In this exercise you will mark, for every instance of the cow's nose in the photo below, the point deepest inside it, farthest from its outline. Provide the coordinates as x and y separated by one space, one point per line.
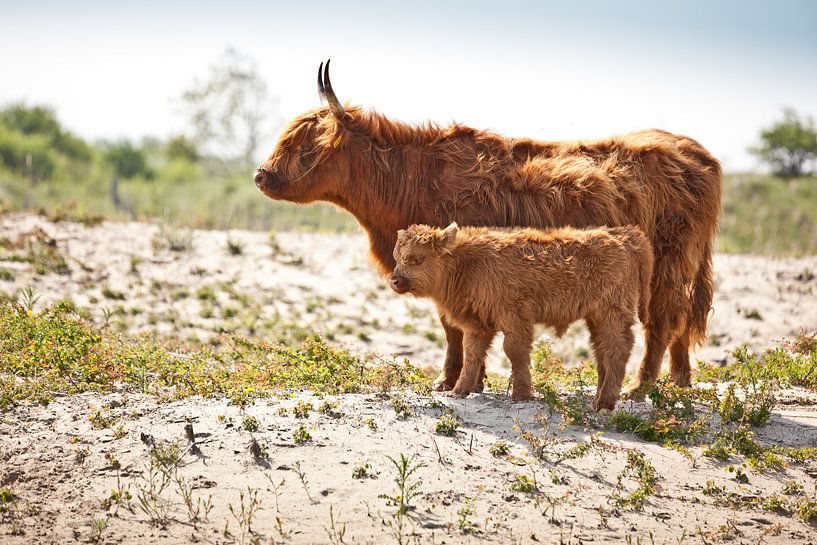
260 176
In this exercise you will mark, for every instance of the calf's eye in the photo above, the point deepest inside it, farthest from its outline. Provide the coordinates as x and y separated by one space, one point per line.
416 260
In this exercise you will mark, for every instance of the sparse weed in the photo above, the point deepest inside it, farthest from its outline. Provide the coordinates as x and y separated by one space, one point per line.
499 449
361 471
250 423
301 409
402 409
244 515
447 425
301 435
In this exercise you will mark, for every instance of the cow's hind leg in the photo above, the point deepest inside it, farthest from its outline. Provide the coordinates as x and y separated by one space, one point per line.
679 367
669 308
475 345
517 347
453 357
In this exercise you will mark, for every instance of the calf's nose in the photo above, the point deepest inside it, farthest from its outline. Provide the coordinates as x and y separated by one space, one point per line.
398 284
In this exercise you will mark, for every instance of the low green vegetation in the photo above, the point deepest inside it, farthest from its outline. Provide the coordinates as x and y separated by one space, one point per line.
55 352
764 214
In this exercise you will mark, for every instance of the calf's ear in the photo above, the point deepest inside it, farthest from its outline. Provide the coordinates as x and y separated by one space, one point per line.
449 235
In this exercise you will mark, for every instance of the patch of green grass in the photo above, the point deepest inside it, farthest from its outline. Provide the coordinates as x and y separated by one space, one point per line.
55 352
768 215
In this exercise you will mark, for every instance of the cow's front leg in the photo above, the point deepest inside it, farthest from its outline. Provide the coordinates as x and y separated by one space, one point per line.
453 357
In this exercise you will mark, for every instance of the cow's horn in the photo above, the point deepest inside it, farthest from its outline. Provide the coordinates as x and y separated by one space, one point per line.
321 90
329 94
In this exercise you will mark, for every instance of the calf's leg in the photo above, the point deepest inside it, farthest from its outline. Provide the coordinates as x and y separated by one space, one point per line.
475 345
517 347
453 357
612 339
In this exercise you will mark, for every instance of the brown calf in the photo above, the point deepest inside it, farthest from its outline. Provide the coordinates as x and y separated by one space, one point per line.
485 281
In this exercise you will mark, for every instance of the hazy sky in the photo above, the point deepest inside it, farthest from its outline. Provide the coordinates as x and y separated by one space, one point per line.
716 70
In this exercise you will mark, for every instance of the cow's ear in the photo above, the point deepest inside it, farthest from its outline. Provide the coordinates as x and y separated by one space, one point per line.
449 236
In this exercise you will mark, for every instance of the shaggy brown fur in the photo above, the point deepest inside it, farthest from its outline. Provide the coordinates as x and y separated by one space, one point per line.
391 175
484 281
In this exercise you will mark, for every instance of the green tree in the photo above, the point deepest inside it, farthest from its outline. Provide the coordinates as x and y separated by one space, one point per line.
788 146
127 161
227 110
42 121
181 147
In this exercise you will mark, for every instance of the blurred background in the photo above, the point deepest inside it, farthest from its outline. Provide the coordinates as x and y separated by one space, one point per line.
162 110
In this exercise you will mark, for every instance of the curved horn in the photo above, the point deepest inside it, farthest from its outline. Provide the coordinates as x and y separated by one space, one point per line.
329 94
321 89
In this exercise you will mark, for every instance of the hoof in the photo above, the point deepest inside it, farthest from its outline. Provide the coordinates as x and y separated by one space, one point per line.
440 384
682 380
603 407
637 390
521 396
459 394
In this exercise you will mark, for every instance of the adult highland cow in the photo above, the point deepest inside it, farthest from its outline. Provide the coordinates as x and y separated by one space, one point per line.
390 175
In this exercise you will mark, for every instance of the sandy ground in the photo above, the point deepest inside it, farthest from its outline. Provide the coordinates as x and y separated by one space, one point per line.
63 470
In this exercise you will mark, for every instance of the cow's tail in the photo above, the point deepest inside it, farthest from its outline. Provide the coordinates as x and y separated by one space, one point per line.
702 291
645 260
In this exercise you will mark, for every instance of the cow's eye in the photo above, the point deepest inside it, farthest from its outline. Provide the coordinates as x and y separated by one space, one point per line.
416 260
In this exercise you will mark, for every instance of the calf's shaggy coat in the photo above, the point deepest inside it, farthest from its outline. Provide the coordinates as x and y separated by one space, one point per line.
484 281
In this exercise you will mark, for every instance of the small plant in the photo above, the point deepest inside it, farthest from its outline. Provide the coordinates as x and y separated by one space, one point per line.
301 410
792 488
447 425
173 239
401 408
304 482
301 435
361 471
523 483
335 531
643 472
234 247
119 496
807 510
29 298
112 461
371 424
81 454
406 491
98 527
499 449
250 423
101 420
109 293
245 514
119 432
276 490
464 524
